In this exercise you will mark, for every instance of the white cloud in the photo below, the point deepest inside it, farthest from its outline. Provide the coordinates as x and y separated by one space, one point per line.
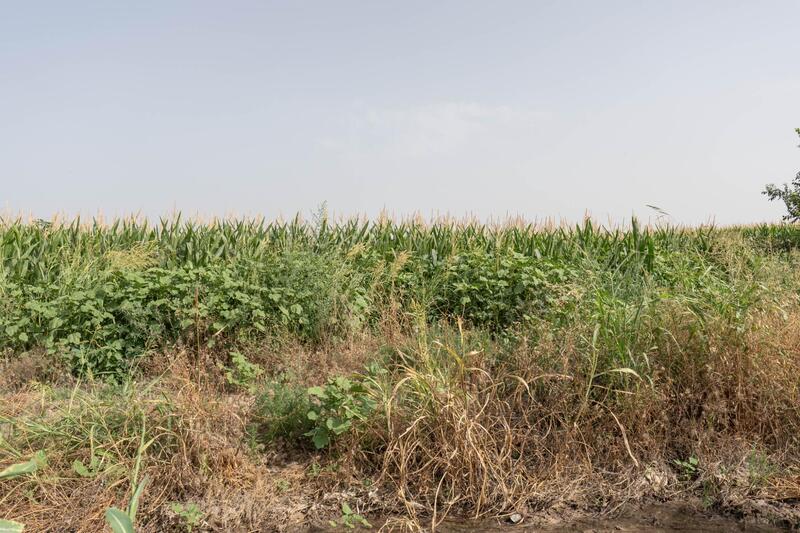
448 128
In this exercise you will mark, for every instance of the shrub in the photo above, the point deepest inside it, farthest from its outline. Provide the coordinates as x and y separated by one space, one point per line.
280 412
337 407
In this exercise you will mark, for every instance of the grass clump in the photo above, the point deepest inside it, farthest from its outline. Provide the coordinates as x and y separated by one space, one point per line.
281 411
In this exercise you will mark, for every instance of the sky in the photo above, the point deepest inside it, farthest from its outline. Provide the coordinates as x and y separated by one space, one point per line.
535 108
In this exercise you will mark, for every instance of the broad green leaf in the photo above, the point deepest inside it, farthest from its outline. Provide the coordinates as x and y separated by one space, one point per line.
21 469
346 508
80 468
119 521
317 391
320 439
341 427
9 526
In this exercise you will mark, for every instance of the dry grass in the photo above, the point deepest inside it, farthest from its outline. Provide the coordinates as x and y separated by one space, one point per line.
459 434
198 454
467 438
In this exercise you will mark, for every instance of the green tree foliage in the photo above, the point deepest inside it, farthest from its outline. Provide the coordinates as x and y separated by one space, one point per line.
790 195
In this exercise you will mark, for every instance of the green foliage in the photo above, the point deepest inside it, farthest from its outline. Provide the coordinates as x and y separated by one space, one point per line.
350 519
280 411
190 514
123 521
100 297
101 326
10 526
760 469
119 521
106 433
27 467
337 407
789 195
497 290
241 372
99 459
773 238
689 468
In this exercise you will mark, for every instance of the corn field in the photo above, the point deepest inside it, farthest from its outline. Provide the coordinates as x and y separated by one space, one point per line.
103 295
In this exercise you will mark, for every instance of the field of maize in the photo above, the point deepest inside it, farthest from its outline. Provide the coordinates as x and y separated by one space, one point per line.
459 367
103 296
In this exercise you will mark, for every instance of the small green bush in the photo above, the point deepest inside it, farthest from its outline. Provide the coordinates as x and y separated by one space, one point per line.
338 406
280 412
241 372
190 515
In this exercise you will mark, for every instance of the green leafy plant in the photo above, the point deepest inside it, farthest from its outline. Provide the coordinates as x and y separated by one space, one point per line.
790 196
315 469
119 521
280 410
27 467
242 373
759 469
336 407
123 521
98 457
350 519
688 468
190 514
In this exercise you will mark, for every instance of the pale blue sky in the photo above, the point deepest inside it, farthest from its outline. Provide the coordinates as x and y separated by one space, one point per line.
538 108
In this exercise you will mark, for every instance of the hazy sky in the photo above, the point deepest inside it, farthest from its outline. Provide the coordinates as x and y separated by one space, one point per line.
538 108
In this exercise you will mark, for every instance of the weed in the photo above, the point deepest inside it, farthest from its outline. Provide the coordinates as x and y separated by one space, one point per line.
190 515
350 519
282 485
689 468
280 411
759 469
338 405
242 373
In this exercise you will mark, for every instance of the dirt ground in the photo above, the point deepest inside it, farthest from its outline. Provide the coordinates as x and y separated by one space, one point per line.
657 517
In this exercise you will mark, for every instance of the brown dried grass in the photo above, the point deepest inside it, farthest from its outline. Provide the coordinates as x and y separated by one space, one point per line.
463 435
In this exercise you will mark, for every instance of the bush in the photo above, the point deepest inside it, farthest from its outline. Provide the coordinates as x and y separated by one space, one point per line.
280 412
337 408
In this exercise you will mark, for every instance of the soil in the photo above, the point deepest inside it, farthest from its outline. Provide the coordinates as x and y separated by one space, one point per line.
660 517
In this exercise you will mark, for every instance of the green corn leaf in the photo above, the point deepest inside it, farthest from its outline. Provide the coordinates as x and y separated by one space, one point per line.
9 526
134 505
119 520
